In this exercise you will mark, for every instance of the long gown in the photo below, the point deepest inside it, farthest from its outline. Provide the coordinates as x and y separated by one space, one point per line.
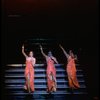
29 72
50 68
71 71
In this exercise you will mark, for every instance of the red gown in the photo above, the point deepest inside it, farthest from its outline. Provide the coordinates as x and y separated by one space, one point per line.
29 70
71 71
50 68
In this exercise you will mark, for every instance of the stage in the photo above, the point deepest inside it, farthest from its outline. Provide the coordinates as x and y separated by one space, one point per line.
73 24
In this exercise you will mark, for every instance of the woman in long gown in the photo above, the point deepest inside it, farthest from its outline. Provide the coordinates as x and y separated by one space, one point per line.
71 69
29 71
51 71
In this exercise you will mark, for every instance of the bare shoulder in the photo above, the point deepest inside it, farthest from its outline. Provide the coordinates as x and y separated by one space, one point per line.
47 57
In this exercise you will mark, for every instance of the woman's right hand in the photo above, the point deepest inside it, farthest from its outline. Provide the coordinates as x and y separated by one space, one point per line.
60 46
40 47
23 46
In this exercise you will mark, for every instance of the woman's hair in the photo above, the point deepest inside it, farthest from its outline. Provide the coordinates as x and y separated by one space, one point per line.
71 53
49 53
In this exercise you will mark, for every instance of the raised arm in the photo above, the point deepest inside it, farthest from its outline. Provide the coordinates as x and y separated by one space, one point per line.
43 52
23 52
65 53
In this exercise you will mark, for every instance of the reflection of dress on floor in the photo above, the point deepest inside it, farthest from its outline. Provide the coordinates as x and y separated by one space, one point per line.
71 71
50 69
29 72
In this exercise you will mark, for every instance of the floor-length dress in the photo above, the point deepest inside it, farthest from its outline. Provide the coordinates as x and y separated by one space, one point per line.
71 72
50 69
29 72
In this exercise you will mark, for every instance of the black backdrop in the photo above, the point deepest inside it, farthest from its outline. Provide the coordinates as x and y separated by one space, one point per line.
75 22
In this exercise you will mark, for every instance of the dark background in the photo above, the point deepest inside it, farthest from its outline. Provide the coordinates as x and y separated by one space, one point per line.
74 21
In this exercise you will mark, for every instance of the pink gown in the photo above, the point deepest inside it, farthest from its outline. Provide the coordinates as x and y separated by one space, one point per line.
50 68
71 71
29 71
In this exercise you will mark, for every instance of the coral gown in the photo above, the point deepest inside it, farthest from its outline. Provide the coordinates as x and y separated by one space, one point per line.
50 68
29 72
71 71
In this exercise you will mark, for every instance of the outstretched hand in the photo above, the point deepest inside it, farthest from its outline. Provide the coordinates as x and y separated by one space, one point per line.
23 46
60 46
40 47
